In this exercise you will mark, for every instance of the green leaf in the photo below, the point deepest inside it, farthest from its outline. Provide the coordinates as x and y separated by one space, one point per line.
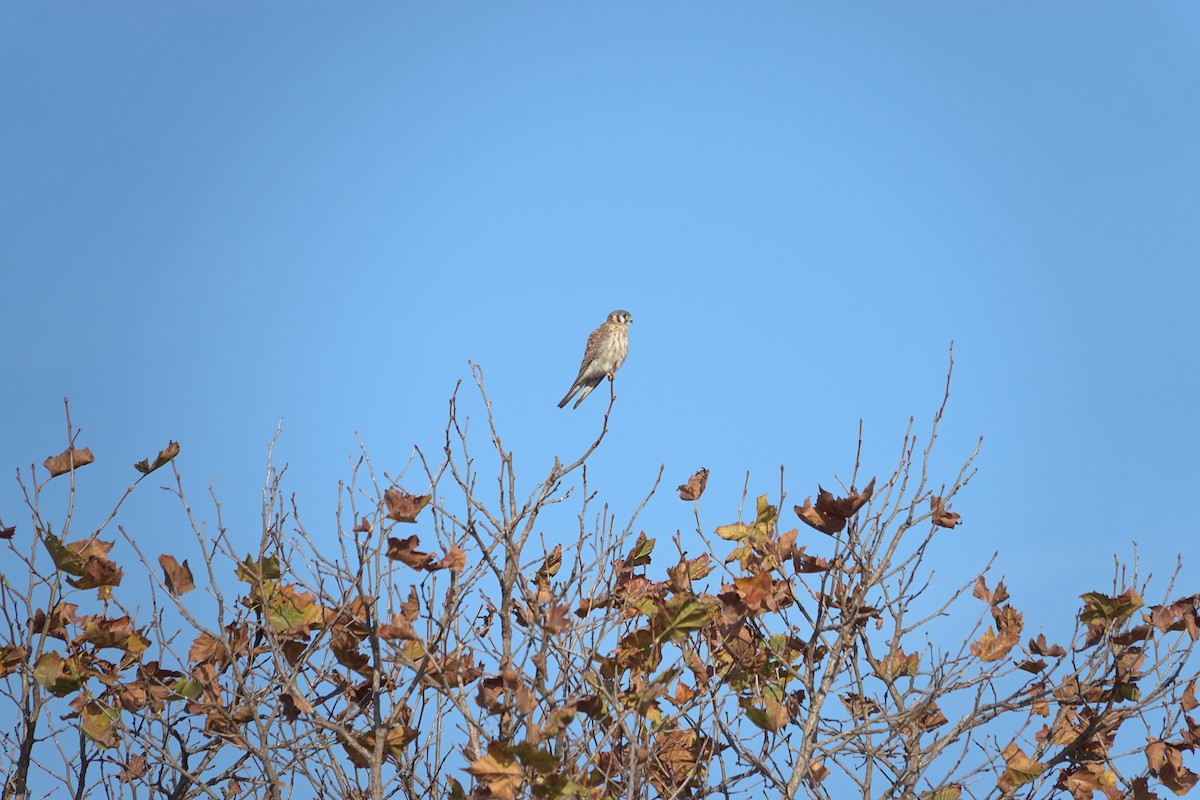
681 615
640 554
252 572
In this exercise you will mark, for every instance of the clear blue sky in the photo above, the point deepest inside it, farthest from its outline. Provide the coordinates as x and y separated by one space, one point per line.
217 214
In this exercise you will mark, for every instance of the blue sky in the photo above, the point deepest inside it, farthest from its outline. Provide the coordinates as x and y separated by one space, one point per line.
216 215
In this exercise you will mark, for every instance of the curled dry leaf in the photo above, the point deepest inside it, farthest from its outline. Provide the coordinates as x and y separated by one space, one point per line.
694 486
7 533
406 550
943 517
455 560
68 459
830 513
364 526
1039 647
178 577
164 457
404 507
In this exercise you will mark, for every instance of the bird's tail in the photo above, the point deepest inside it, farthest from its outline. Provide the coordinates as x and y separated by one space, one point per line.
562 403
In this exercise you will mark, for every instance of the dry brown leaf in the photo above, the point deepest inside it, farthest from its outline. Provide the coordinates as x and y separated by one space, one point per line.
1039 647
694 486
404 507
830 513
164 457
943 517
406 550
455 560
178 577
62 463
991 597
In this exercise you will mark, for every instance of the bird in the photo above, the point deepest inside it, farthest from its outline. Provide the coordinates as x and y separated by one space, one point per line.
606 349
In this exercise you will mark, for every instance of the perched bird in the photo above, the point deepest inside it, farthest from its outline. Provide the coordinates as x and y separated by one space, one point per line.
605 353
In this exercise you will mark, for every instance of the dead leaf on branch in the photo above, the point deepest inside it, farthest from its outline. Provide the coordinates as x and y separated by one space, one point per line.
406 550
455 560
1020 769
1039 647
404 507
67 460
860 706
817 772
830 513
499 772
993 647
1188 701
164 457
639 555
943 517
951 792
178 577
7 533
898 665
136 767
694 486
992 597
1178 616
1083 781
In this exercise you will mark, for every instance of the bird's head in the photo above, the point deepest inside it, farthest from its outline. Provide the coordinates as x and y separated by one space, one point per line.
622 317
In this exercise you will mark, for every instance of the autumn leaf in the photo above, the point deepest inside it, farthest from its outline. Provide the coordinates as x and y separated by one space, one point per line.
60 676
942 516
771 715
991 647
117 633
1188 701
680 615
11 657
178 577
898 665
830 513
694 486
67 460
550 567
404 507
1101 607
499 772
55 623
455 560
7 533
640 554
164 457
1039 647
406 550
816 773
1020 769
253 571
136 767
860 706
951 792
930 717
991 597
1083 781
